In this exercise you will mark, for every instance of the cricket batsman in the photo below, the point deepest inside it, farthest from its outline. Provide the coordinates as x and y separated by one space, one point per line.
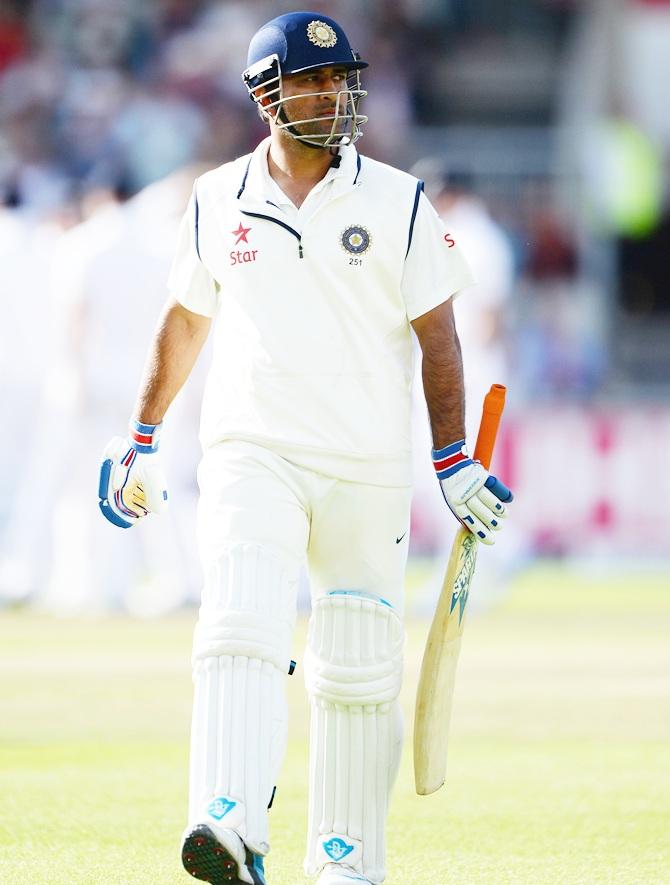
316 263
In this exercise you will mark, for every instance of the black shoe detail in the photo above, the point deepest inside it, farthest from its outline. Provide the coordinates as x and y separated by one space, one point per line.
205 858
398 540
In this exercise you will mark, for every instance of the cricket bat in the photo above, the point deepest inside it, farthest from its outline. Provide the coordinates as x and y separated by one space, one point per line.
435 692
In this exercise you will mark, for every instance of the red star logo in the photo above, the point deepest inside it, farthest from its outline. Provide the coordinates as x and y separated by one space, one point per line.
241 234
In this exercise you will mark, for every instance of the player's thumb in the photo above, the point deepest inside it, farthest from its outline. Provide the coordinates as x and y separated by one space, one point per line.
499 489
155 488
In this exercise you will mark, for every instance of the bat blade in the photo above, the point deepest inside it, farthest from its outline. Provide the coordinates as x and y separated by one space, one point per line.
435 692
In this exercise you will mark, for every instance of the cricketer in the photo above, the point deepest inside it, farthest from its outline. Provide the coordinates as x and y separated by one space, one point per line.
316 263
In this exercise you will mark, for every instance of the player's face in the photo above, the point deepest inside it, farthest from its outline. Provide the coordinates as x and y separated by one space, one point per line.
313 98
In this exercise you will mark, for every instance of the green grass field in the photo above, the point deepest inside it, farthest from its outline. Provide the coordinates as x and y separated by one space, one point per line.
559 768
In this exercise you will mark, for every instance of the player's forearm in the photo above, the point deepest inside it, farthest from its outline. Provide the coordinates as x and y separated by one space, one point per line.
442 373
178 341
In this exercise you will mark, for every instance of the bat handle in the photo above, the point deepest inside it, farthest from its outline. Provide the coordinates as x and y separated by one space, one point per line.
494 403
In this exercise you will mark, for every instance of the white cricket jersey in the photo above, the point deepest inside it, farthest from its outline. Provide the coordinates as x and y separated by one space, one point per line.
312 344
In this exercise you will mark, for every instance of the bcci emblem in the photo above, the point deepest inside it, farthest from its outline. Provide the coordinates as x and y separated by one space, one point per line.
356 240
321 35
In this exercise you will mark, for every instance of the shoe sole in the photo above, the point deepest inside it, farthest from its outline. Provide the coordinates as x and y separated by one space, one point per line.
205 858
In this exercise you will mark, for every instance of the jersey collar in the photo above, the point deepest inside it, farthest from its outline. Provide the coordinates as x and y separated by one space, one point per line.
254 183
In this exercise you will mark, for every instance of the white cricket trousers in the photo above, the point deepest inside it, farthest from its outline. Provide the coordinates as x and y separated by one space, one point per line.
260 518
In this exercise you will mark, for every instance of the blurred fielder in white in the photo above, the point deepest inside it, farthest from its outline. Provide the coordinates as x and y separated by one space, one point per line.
106 285
316 262
483 317
27 243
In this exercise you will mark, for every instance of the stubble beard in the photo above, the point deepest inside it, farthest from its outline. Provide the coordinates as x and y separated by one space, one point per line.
320 127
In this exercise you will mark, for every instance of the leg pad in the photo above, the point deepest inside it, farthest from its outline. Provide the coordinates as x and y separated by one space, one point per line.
353 671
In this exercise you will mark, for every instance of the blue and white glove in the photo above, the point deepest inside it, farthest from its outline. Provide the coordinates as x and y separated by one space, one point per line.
132 482
475 497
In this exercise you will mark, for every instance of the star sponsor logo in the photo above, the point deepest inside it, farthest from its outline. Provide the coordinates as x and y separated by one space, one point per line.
321 34
241 233
355 239
239 256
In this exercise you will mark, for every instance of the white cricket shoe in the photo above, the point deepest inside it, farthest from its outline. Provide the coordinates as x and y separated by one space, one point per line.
340 874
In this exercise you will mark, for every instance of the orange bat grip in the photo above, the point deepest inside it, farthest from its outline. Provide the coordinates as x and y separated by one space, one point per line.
494 403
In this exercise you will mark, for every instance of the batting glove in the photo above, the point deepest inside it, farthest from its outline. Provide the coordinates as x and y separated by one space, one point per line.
132 482
475 497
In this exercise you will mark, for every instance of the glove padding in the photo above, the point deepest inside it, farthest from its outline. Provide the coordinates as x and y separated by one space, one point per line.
472 494
132 483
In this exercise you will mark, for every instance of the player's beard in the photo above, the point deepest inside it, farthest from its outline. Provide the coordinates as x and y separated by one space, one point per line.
314 125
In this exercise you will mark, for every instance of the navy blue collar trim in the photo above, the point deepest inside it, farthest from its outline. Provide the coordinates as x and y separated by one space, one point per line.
244 180
358 167
283 224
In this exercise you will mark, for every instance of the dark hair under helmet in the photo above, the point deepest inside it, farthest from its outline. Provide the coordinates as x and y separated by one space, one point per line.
298 42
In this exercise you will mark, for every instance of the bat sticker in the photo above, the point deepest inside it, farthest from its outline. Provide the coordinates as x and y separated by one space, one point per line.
464 577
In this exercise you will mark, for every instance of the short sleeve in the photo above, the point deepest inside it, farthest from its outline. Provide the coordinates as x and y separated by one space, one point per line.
189 281
435 268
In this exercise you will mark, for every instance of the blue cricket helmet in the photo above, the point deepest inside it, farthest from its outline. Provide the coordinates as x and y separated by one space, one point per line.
295 43
300 41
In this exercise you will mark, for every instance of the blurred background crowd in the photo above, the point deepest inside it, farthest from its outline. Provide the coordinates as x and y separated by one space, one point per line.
542 132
